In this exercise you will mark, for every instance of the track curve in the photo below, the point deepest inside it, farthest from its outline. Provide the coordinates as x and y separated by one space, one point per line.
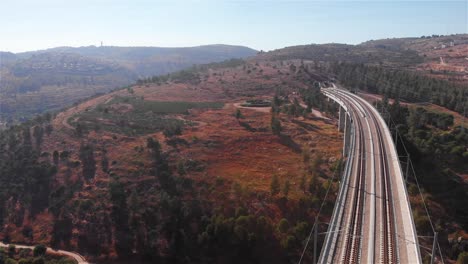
372 212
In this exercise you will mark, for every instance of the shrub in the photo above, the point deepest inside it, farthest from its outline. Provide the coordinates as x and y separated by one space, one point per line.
462 258
422 223
275 125
38 261
11 250
172 130
25 261
275 185
413 190
283 226
219 181
181 168
10 261
301 230
288 243
238 114
24 252
39 250
64 155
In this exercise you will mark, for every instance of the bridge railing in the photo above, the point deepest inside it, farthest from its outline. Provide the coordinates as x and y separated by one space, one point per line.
326 255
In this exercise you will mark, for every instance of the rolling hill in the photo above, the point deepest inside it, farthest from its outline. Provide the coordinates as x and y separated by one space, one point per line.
443 57
149 173
219 163
34 82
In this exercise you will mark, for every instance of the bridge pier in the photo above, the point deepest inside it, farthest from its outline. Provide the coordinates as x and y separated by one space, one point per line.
341 121
344 125
347 134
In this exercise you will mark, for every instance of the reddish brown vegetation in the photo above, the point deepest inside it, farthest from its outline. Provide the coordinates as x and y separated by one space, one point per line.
232 154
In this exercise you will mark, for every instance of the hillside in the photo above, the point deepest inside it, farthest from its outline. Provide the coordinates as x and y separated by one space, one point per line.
80 72
177 169
442 57
346 53
7 58
34 82
149 61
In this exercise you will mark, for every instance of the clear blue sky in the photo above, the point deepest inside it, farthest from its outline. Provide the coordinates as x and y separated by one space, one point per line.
38 24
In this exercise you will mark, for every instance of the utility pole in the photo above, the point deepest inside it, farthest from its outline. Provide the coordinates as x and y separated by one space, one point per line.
434 248
407 166
315 240
396 135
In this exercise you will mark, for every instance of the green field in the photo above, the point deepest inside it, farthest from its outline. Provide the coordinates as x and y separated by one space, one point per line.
142 118
143 106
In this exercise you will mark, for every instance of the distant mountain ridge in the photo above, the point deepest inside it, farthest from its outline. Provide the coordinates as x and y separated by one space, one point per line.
7 57
391 52
151 60
37 81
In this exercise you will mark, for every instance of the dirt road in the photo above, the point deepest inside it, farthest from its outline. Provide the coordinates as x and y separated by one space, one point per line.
80 259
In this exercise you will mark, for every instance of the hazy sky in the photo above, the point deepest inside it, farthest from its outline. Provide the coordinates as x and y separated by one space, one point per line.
38 24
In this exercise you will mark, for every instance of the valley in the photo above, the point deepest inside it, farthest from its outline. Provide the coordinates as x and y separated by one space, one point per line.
227 162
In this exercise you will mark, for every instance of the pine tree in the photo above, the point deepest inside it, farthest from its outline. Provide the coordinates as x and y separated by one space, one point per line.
275 185
275 125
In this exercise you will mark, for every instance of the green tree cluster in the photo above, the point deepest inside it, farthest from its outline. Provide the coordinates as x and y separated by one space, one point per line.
402 84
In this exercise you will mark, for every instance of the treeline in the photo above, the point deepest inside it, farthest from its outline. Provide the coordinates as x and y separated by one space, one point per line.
404 85
437 150
420 117
343 52
24 179
170 222
190 75
220 65
27 175
313 98
431 134
184 76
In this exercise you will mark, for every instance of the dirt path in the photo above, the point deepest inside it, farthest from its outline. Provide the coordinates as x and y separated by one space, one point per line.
315 112
79 259
259 109
61 120
319 114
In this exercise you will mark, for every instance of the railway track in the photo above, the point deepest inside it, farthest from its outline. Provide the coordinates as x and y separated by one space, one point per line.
354 235
368 207
388 247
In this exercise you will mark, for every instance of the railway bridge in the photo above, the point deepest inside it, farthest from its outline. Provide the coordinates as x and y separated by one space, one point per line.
372 221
